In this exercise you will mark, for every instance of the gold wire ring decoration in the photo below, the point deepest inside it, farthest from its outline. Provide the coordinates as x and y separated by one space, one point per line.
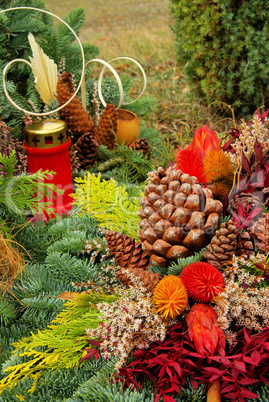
116 75
101 78
29 64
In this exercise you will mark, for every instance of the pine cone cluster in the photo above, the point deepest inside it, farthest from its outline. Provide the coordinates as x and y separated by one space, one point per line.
77 119
141 145
178 216
223 245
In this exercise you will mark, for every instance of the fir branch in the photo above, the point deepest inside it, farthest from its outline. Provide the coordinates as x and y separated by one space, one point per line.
176 267
110 164
24 193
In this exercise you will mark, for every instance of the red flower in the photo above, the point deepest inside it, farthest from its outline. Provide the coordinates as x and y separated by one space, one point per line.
205 140
202 280
190 161
203 331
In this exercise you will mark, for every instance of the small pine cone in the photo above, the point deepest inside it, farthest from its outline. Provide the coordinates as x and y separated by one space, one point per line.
127 252
149 279
223 245
245 244
259 231
247 200
77 119
141 145
106 130
86 149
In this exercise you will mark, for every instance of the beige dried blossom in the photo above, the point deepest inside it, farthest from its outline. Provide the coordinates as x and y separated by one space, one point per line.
239 301
251 132
128 323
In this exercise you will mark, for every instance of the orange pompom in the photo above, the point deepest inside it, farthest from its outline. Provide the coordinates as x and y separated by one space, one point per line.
170 297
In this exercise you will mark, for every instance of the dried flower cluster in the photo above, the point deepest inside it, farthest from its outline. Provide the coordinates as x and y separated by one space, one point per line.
128 323
251 133
240 301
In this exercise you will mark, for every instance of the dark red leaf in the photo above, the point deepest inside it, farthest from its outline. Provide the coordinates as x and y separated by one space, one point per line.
254 212
93 352
194 384
240 366
247 359
246 164
227 388
245 393
169 372
93 342
248 381
256 357
167 398
258 151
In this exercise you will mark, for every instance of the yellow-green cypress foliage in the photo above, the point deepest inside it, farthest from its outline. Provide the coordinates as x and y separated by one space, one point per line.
61 345
108 202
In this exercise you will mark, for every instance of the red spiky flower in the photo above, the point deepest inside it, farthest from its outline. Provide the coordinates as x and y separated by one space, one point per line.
202 280
190 161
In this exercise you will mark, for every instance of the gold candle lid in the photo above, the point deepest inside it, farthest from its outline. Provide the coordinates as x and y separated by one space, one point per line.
46 134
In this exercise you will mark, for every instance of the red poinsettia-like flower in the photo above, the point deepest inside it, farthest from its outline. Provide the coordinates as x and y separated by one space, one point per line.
190 161
202 280
203 330
205 140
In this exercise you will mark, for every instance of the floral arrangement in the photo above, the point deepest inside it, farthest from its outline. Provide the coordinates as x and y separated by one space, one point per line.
215 312
188 301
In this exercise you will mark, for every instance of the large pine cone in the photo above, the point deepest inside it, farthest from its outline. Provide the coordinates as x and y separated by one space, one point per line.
106 130
149 279
77 119
86 149
127 252
178 216
141 145
223 245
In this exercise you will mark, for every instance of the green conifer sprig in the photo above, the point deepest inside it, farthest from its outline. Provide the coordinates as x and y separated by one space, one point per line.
176 267
24 193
